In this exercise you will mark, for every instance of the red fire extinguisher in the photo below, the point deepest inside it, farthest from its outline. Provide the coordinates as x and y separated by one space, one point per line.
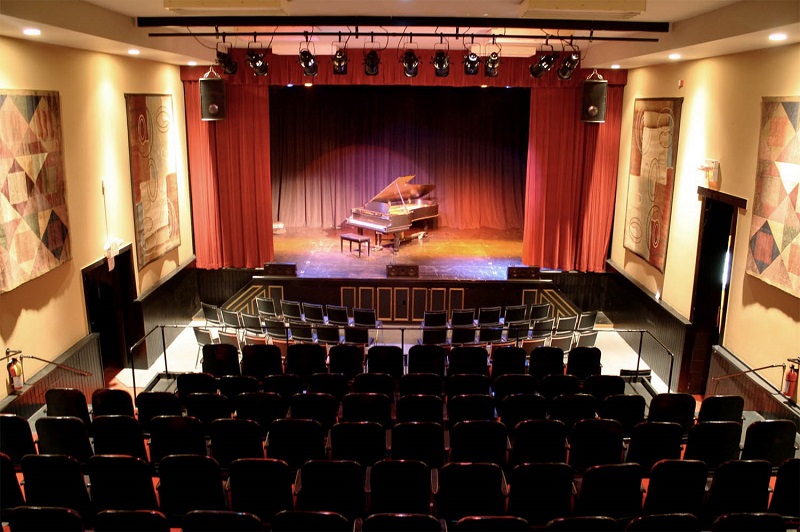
790 382
14 375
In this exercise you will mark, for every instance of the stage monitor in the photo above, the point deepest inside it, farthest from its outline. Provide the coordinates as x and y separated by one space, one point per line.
280 269
402 270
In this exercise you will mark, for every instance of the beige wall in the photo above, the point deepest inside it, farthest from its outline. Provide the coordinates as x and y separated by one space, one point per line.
720 120
47 315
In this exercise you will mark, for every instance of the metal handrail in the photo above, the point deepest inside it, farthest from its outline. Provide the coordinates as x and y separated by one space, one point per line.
402 329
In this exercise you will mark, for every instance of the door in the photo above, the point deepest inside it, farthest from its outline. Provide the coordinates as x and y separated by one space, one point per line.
109 297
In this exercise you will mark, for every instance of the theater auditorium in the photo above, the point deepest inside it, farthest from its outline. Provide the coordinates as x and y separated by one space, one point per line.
392 265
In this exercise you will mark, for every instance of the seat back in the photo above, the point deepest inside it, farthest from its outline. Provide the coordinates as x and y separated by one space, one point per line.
586 320
313 312
211 520
110 401
676 486
261 407
318 476
489 315
118 434
677 407
120 482
232 439
538 440
714 442
385 359
187 483
304 360
321 407
295 441
261 360
67 402
16 438
291 310
176 435
595 442
540 492
260 486
652 441
721 408
337 315
420 408
423 441
130 520
613 490
468 359
221 359
346 359
470 489
266 307
66 435
360 406
479 441
427 358
360 441
538 311
55 480
365 317
770 439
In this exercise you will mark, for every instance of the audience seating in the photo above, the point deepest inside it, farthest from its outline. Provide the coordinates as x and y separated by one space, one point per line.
261 486
399 486
36 518
9 487
130 521
66 435
540 491
16 437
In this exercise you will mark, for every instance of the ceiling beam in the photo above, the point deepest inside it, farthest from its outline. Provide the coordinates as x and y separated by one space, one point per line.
457 22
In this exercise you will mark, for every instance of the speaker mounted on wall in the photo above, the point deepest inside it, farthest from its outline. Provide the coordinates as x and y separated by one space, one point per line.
593 101
402 270
280 269
212 97
523 272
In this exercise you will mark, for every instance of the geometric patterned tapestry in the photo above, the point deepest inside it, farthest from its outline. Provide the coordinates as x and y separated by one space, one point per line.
154 181
774 251
654 152
34 226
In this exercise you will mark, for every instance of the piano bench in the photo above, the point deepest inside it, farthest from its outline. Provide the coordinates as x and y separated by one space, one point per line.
353 237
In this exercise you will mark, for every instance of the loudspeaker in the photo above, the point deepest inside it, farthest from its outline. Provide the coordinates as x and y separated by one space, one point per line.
212 99
280 269
523 272
593 101
402 270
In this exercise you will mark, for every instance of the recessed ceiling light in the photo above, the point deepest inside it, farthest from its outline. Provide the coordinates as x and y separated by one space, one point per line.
133 51
615 66
192 63
674 56
777 37
32 32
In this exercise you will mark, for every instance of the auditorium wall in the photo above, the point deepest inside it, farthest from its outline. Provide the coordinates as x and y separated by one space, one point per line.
47 315
720 120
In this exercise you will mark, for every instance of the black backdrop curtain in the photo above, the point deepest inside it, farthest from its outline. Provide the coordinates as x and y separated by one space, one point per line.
334 148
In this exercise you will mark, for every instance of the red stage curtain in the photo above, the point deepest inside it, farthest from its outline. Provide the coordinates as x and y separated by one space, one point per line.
572 168
229 167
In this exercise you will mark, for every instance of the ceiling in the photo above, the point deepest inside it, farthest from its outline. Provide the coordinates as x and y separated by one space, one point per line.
696 28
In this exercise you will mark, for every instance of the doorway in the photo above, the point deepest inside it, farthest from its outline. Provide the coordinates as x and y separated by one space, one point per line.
109 297
718 219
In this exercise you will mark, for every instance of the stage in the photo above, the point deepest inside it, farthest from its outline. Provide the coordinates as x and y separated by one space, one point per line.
458 254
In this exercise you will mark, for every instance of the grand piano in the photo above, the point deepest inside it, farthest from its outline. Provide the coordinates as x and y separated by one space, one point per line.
394 209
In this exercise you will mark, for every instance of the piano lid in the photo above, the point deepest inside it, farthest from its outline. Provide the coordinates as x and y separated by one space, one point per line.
401 189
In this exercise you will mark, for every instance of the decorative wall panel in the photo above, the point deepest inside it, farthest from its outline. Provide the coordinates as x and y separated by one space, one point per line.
774 251
654 151
154 180
34 225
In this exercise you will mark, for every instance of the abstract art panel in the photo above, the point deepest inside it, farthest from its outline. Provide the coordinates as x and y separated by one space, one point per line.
654 152
774 251
34 226
153 176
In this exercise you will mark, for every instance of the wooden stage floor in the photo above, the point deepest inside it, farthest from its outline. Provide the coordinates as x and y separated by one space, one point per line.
440 254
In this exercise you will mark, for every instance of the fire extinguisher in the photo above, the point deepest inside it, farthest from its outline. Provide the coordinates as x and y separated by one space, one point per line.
790 382
14 375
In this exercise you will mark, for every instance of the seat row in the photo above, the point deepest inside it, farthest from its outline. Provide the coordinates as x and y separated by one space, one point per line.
302 321
535 492
305 359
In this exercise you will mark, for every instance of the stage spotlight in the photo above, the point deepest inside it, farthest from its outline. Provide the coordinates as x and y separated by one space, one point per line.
340 62
256 61
471 64
545 63
229 66
410 63
569 65
371 62
308 62
492 62
441 64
